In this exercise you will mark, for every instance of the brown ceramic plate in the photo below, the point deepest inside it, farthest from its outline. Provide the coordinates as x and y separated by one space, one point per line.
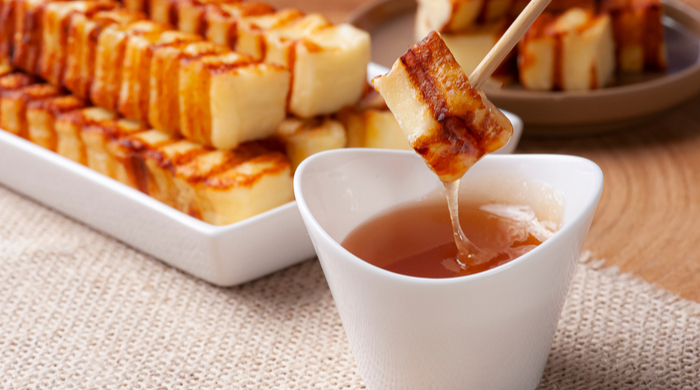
631 101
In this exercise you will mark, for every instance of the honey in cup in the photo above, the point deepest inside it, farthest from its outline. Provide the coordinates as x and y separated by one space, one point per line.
417 239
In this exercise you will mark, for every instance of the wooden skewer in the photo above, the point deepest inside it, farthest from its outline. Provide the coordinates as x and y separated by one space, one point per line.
507 42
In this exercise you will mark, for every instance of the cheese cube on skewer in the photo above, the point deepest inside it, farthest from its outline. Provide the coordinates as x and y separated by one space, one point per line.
158 154
446 121
99 137
226 187
136 73
222 20
111 50
164 104
28 34
301 138
370 124
69 127
41 118
83 32
251 30
227 99
13 106
191 14
7 30
11 81
457 16
573 51
137 6
280 43
55 31
329 70
638 33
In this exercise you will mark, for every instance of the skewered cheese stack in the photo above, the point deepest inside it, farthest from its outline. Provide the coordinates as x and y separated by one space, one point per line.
219 187
446 121
573 51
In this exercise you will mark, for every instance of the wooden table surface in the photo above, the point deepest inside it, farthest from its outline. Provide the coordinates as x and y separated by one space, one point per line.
648 220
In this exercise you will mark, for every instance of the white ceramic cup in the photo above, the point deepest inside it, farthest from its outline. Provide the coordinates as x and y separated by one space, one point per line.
491 330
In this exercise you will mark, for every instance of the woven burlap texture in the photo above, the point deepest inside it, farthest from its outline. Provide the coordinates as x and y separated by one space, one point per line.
81 310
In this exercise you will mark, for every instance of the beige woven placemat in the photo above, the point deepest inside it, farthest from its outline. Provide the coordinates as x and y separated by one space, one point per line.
80 310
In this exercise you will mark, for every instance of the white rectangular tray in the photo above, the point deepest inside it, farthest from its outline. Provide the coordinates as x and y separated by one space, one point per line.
222 255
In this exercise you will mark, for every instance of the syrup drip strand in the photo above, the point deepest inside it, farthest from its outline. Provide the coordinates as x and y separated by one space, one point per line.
469 254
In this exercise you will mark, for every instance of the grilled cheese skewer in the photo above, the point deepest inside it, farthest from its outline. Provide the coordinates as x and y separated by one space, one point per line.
446 121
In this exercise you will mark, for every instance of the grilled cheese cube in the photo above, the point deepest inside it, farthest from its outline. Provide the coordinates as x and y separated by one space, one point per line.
251 30
587 52
13 106
329 70
457 16
13 81
100 137
136 73
227 99
41 118
7 30
160 154
191 14
69 127
83 32
448 122
222 187
28 34
164 105
222 20
280 42
370 124
246 189
56 21
302 138
111 50
638 33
